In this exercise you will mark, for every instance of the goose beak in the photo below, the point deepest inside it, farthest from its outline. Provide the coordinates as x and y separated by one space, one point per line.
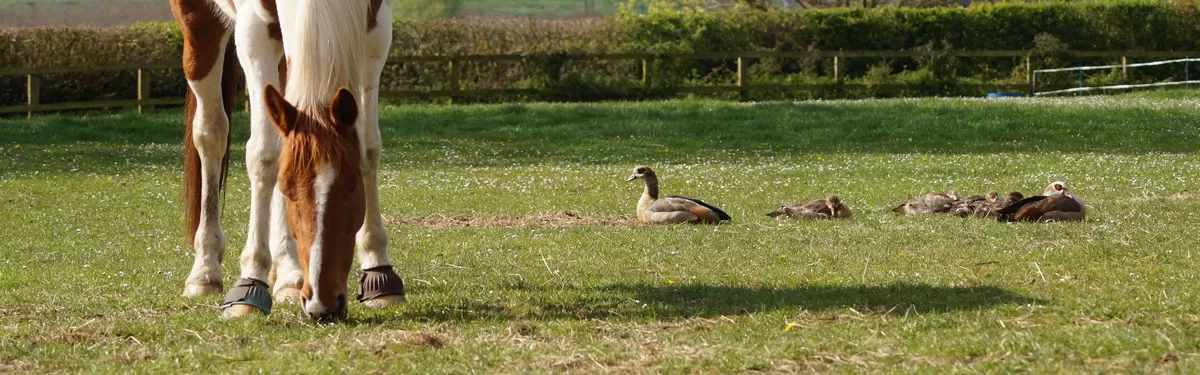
631 177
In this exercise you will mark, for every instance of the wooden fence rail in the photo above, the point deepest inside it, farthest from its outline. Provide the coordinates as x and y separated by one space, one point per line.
743 85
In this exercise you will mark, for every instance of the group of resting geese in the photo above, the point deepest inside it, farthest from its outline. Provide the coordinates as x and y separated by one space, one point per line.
1055 204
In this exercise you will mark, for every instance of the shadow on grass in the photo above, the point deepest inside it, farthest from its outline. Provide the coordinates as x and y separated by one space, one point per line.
639 301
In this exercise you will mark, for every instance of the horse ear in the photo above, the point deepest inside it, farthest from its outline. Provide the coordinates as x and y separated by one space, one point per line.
282 113
344 109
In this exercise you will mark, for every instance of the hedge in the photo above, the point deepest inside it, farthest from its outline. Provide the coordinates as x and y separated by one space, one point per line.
1046 28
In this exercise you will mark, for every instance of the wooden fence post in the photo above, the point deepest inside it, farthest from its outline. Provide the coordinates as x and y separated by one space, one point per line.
1124 68
143 92
743 80
454 77
1029 78
645 73
836 78
33 92
1028 69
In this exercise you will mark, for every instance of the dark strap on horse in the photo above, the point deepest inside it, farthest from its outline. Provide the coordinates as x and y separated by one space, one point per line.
378 282
249 292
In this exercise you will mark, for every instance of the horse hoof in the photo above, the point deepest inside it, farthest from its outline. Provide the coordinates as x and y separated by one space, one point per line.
200 290
288 294
381 287
247 296
237 311
385 301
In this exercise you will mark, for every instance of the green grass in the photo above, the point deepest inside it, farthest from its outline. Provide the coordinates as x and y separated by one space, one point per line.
91 262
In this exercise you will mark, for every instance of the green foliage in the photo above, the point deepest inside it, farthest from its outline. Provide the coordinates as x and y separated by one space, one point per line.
684 26
425 9
627 8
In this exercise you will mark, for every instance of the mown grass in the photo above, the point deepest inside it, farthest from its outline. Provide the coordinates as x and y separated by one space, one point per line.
91 262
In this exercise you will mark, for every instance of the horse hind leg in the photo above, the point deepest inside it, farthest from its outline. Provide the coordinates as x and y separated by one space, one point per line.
207 141
379 285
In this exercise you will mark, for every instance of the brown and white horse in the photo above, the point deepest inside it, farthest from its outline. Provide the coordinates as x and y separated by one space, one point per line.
313 153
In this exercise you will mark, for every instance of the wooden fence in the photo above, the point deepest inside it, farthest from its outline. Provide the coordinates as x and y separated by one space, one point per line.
743 85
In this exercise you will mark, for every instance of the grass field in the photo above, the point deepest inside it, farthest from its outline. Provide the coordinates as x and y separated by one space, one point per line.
91 262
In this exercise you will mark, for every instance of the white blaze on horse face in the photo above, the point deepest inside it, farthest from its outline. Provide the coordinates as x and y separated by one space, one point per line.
326 176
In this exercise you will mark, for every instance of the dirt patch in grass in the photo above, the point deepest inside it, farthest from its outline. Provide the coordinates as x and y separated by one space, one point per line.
1185 195
29 312
430 338
15 367
1180 196
81 337
552 220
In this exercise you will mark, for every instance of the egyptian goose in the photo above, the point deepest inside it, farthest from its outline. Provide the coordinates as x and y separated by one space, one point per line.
993 204
830 207
1010 198
1055 204
975 205
931 203
671 209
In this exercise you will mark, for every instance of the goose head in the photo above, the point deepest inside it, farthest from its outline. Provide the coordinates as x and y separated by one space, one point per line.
991 196
834 204
1055 188
952 194
1012 197
640 172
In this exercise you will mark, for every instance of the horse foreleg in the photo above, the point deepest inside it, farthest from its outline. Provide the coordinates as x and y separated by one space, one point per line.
260 51
381 286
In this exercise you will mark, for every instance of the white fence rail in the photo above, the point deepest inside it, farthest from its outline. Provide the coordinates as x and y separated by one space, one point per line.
1187 80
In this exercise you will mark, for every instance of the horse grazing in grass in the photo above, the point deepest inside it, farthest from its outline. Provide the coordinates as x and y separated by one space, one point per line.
313 153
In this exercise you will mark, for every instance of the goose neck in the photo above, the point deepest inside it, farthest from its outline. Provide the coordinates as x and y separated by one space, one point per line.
651 186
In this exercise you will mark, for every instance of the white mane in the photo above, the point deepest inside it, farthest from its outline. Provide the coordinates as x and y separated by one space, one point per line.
323 41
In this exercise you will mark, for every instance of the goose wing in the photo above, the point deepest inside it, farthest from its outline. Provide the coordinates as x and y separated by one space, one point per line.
931 203
697 207
815 209
1060 208
940 202
1013 208
969 205
1057 207
1021 209
811 209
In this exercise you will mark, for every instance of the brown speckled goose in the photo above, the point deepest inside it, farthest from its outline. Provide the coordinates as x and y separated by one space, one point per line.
828 208
1010 198
931 203
975 205
671 209
1055 204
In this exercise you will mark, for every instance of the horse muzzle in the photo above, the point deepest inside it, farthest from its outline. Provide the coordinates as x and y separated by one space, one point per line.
319 312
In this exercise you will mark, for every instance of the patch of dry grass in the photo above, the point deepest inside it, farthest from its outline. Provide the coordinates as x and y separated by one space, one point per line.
551 220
